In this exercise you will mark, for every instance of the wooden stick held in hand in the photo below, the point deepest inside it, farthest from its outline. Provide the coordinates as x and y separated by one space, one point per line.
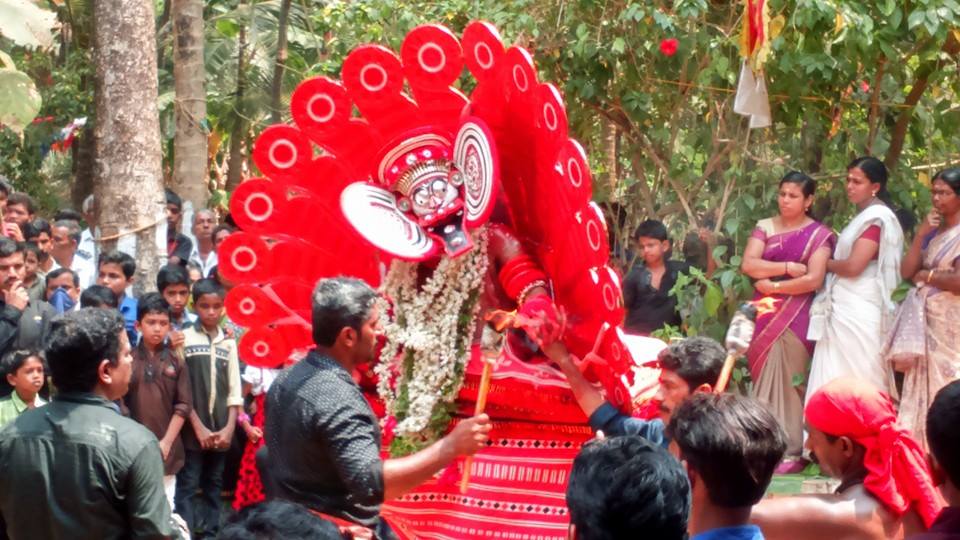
481 405
491 343
724 377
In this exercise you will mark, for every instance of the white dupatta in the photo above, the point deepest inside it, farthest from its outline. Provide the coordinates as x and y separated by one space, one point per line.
888 263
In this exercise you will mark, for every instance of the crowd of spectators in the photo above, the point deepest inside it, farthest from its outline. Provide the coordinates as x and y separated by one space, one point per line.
127 417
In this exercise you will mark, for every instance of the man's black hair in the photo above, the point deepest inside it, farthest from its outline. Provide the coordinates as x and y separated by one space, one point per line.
733 443
54 274
697 360
40 225
278 520
173 198
121 259
29 247
68 214
5 187
943 430
152 304
7 247
207 286
14 360
79 342
220 228
338 303
172 274
651 228
22 199
626 487
72 226
98 296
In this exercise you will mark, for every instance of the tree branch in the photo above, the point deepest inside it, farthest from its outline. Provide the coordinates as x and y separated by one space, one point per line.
897 138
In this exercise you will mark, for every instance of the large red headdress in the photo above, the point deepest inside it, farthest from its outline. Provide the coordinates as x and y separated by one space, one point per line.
395 157
421 173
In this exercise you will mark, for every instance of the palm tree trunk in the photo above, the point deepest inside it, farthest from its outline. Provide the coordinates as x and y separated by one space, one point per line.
190 104
276 90
127 175
238 131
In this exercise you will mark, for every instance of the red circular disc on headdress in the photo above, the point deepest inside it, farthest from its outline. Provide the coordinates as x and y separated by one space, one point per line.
263 347
594 230
520 73
320 104
247 305
575 169
551 114
282 151
432 58
372 72
258 205
482 49
243 258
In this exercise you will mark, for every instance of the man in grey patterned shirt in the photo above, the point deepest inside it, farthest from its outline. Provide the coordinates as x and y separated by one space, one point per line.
323 439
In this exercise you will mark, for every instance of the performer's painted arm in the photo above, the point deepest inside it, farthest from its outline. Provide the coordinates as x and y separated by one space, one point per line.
520 275
401 475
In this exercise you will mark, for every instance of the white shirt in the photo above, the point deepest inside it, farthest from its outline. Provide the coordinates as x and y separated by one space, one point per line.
205 266
259 379
88 244
85 269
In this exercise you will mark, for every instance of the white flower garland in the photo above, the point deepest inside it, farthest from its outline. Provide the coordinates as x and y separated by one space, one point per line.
425 324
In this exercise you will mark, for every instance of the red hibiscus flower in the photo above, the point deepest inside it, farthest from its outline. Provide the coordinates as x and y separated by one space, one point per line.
865 86
389 424
668 47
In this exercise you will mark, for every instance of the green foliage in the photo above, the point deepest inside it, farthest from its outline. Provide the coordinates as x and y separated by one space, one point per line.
706 305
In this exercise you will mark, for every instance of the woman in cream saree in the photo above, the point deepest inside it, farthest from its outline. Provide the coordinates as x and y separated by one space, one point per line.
850 315
925 338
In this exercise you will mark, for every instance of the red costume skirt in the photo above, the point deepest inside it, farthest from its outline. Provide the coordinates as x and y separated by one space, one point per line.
249 488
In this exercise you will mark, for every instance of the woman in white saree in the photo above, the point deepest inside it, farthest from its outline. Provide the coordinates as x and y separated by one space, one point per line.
853 310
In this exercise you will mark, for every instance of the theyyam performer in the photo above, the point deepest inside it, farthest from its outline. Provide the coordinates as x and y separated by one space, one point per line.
454 206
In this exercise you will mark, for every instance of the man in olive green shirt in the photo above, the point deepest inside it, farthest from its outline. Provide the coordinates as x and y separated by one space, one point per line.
76 468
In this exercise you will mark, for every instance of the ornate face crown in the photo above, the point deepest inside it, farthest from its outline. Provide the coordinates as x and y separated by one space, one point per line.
430 193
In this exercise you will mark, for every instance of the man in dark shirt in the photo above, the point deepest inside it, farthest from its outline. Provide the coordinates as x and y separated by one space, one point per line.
686 367
24 323
944 438
76 468
646 289
179 245
322 437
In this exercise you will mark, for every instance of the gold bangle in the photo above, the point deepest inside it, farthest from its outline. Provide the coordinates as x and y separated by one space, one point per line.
930 274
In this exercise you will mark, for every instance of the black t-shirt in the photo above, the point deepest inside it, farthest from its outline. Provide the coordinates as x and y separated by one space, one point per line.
649 309
324 443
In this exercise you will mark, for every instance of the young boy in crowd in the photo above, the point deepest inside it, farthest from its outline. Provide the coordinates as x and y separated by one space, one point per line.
160 395
730 446
98 296
116 272
25 373
173 282
214 369
646 289
33 281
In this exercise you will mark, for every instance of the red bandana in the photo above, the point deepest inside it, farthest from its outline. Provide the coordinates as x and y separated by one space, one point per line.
897 471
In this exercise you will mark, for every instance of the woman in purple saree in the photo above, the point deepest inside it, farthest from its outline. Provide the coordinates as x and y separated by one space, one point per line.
787 255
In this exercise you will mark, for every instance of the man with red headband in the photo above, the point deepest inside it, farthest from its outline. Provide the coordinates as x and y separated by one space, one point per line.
886 490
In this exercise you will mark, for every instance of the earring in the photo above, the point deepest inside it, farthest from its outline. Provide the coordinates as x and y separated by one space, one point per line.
874 193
